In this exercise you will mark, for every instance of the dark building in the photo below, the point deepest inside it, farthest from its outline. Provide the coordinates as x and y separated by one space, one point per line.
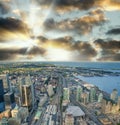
2 104
9 100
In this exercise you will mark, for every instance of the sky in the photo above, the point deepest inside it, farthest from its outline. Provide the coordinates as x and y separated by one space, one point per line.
60 30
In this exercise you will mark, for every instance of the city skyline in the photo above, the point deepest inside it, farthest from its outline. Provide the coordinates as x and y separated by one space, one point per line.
59 30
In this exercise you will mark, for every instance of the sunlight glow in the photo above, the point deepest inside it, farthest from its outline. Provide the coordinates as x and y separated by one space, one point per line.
54 54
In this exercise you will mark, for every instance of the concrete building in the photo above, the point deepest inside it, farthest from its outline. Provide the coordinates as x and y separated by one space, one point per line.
78 93
50 90
114 95
19 113
66 96
69 119
4 121
85 97
92 94
6 83
2 104
100 97
27 93
9 100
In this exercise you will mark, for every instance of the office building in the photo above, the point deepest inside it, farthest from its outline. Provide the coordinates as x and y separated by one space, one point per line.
27 93
4 121
100 97
85 97
78 93
92 94
9 100
69 119
6 83
50 90
26 96
2 104
66 94
103 106
114 95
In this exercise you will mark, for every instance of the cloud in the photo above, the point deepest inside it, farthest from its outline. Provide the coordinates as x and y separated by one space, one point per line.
34 50
114 31
109 49
81 26
12 29
108 44
79 50
13 25
112 57
66 5
11 54
20 53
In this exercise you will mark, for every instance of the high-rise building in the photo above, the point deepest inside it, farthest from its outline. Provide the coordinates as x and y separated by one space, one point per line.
69 119
6 83
27 93
2 104
26 96
85 97
18 100
100 97
114 95
66 94
103 106
4 121
66 97
9 100
92 94
50 90
78 93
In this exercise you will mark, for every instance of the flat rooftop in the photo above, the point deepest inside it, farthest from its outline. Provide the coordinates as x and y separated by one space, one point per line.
75 111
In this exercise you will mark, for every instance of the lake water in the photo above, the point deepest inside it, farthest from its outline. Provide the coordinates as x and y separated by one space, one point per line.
105 83
98 65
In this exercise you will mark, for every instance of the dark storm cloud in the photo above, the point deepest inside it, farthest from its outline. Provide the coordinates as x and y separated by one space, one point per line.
112 57
85 49
81 26
13 25
115 31
108 44
81 4
9 54
109 49
4 9
36 51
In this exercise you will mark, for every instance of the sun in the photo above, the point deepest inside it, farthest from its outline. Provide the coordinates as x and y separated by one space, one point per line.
57 54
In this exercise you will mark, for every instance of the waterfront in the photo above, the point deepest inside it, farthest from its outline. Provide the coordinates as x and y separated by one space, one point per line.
105 83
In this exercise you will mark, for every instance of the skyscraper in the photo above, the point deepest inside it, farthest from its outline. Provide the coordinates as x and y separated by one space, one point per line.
100 97
85 97
9 100
78 93
2 104
26 96
6 84
92 94
69 119
66 94
114 95
50 90
4 121
27 93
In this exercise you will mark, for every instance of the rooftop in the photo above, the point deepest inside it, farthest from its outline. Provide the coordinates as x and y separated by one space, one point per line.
75 111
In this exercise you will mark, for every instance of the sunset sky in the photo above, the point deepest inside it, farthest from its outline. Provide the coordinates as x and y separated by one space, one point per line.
60 30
